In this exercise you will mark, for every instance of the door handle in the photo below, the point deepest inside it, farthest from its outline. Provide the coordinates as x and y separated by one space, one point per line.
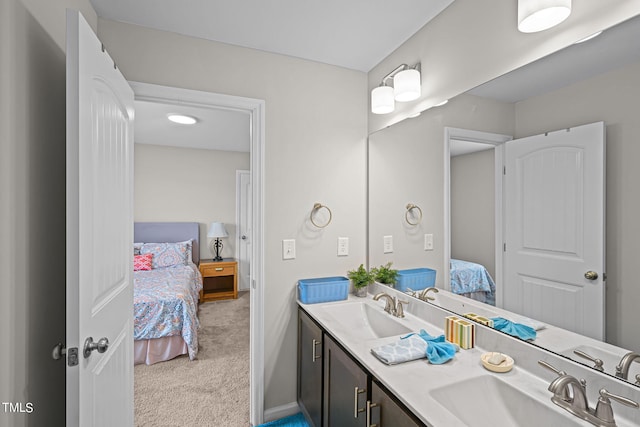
369 406
356 392
314 357
244 237
591 275
102 345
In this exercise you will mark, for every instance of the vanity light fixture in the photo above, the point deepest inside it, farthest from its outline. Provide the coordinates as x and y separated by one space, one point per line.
592 36
182 119
540 15
406 87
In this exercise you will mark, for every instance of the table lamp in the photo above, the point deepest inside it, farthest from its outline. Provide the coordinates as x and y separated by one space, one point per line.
217 230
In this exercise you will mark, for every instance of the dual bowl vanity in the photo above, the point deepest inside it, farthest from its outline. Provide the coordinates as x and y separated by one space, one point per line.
341 383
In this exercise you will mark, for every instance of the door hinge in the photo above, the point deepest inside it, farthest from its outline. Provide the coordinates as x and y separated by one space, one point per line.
253 283
604 277
504 170
504 247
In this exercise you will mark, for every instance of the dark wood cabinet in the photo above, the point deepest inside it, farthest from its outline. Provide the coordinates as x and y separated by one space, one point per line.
310 347
385 411
345 388
334 390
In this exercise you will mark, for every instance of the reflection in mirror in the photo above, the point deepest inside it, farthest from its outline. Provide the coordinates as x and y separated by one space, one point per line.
598 80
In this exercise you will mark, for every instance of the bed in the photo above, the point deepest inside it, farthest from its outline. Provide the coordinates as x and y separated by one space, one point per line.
473 281
166 286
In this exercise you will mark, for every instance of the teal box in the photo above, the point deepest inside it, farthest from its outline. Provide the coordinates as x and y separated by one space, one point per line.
415 279
323 289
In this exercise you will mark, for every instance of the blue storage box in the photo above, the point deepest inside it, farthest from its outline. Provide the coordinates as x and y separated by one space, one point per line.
323 289
415 279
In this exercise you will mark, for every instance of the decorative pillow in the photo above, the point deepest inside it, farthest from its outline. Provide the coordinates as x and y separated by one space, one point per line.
136 248
167 254
142 262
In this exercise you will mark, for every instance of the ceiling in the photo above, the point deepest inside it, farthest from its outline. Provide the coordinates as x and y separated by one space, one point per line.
216 129
355 34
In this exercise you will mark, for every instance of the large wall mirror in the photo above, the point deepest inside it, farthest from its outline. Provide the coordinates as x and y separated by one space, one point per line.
439 177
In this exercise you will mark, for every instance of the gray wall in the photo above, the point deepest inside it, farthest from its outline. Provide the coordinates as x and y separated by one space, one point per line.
187 184
315 152
612 98
473 208
32 206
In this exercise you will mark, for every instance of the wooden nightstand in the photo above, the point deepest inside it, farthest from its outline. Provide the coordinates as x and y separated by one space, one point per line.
219 279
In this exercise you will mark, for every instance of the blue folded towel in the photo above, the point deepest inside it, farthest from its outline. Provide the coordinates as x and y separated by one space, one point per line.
416 346
514 329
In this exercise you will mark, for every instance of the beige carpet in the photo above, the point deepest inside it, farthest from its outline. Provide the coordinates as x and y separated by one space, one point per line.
212 390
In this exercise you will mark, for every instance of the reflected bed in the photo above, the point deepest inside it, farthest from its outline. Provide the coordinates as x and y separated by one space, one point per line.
473 281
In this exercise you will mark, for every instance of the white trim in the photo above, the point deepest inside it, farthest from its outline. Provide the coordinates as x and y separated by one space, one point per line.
256 109
281 411
498 141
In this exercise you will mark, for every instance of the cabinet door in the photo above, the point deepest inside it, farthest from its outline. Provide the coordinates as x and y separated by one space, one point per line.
345 388
309 369
386 412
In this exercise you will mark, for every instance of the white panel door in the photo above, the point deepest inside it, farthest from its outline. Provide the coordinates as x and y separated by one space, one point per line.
554 199
99 232
243 214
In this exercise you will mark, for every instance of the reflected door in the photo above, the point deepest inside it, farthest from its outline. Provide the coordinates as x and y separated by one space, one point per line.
554 212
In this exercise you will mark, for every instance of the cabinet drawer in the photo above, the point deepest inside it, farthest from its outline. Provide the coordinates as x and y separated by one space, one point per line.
212 270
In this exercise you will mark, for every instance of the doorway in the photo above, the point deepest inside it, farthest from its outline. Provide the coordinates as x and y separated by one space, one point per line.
255 109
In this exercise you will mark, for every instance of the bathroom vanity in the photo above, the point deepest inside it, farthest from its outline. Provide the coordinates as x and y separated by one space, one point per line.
340 382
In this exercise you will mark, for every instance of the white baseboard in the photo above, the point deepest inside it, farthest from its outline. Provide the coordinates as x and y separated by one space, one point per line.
281 411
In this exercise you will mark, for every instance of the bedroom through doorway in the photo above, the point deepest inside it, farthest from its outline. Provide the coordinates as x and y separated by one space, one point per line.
208 173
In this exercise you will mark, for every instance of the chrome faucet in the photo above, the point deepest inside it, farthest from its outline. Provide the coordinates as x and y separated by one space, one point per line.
424 294
570 394
622 370
393 306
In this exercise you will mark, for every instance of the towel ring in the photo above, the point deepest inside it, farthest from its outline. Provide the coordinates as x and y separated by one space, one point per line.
317 207
410 207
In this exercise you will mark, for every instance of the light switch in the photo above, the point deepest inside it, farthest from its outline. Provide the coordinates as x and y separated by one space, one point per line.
388 244
428 242
343 246
288 249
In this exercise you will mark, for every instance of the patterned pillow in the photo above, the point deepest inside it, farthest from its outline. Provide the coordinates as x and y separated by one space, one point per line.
136 248
142 262
167 254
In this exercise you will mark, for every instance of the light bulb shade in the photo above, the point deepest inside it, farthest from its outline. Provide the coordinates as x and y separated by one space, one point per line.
539 15
216 229
382 100
406 85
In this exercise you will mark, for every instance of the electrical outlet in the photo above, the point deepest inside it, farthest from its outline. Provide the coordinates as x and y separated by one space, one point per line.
343 246
428 242
388 244
288 249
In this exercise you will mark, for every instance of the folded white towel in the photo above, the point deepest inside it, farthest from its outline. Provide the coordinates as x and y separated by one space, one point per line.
403 350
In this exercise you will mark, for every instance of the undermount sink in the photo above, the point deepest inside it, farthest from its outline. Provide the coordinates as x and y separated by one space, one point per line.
368 321
610 360
487 401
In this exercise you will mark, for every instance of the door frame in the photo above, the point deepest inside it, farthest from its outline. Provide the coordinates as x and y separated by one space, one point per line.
256 110
239 173
497 140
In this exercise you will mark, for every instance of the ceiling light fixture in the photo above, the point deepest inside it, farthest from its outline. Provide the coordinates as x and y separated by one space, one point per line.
182 119
540 15
406 87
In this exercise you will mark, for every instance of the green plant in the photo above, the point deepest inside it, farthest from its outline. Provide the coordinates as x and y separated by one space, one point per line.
385 274
360 277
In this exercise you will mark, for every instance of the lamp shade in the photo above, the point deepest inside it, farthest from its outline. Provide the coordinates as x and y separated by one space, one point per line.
406 85
216 229
539 15
382 100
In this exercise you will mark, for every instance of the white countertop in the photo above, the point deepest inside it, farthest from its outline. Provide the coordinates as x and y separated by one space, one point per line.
412 382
